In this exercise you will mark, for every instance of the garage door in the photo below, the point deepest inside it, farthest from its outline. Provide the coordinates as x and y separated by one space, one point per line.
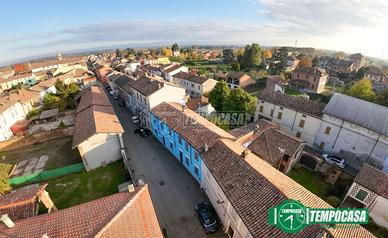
308 162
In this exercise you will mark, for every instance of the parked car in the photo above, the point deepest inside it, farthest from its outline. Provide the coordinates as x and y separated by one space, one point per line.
135 120
207 216
143 132
330 159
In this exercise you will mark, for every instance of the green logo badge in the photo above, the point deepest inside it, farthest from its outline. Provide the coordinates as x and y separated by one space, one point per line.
292 216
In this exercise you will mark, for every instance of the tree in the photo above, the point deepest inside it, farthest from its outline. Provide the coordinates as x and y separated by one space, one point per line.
240 101
267 54
252 56
175 47
306 62
219 95
362 89
228 56
382 97
235 66
315 61
167 52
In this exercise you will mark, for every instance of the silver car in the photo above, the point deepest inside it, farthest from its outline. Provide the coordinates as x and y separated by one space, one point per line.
330 159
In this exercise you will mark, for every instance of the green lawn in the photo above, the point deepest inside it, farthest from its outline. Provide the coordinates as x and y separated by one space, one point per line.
79 188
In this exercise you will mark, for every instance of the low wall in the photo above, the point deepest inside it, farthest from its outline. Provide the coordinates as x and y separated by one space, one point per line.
21 141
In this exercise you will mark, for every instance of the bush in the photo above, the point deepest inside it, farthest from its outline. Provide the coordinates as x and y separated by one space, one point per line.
61 125
32 113
334 201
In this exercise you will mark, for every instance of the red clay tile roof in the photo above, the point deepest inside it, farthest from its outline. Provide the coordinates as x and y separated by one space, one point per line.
191 77
122 214
373 179
195 129
94 114
144 85
172 68
261 125
253 186
269 144
195 103
43 85
21 202
297 103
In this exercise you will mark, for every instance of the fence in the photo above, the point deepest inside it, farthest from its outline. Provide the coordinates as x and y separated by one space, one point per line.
46 175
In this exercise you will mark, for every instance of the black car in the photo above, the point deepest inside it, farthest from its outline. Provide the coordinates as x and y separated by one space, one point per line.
207 216
143 132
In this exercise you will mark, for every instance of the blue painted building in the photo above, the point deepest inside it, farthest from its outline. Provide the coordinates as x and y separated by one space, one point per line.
171 126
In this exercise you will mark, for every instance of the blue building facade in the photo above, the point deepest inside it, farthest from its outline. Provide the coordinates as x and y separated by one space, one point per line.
185 153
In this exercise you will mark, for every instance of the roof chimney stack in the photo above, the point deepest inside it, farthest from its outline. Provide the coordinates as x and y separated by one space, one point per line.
205 148
7 221
131 188
244 153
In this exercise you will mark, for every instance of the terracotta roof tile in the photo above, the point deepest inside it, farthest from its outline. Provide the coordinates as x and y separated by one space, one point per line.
191 77
132 212
195 103
20 203
190 125
373 179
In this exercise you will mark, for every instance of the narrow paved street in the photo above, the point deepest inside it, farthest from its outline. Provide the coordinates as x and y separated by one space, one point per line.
173 190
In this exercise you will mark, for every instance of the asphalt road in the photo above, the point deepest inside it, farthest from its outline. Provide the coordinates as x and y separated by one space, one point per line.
173 190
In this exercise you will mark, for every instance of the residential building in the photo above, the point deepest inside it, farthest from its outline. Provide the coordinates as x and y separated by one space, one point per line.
276 83
336 66
297 116
132 67
309 79
358 61
45 87
353 125
103 72
23 202
97 130
6 72
185 134
195 85
170 70
14 107
239 80
241 186
370 190
25 79
200 105
121 215
54 64
265 140
292 63
375 74
144 93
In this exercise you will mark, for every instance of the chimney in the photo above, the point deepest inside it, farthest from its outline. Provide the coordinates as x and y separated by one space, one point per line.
257 128
183 107
131 188
7 221
244 153
205 148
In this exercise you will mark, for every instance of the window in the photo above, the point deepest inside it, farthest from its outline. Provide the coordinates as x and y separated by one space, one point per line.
280 115
361 195
196 169
199 87
301 123
230 232
187 160
328 129
169 131
196 155
298 134
187 146
261 109
192 85
271 114
180 140
322 145
171 145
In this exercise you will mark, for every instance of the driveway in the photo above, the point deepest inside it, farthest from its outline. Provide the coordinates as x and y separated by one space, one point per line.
173 190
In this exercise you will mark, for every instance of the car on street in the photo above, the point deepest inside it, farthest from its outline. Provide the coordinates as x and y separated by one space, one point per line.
135 120
207 216
143 132
330 159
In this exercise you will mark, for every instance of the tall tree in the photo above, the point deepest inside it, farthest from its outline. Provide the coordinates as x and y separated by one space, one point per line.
175 47
362 89
240 101
382 97
167 52
267 54
219 95
228 56
252 56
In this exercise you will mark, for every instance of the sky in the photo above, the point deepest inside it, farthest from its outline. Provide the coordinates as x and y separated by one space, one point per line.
32 28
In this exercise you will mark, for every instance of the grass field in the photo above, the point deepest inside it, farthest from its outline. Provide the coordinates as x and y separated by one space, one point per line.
79 188
59 151
293 92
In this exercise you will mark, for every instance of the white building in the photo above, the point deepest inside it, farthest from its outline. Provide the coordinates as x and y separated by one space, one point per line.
97 130
370 190
171 70
196 86
45 87
131 67
354 125
296 116
144 93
